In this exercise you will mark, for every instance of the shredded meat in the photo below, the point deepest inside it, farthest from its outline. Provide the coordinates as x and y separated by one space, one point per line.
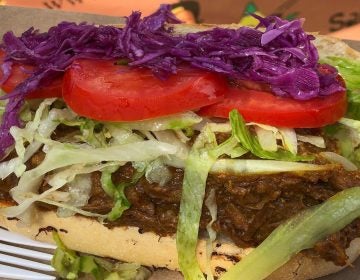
250 207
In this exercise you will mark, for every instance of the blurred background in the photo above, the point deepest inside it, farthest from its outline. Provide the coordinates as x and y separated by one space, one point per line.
340 18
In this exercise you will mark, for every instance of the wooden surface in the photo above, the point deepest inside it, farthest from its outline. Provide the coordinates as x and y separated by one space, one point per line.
350 33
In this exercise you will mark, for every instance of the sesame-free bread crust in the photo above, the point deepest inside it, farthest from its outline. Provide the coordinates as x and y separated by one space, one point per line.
130 245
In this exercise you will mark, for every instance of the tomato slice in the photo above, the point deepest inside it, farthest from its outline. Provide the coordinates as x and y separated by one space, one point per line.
104 91
20 73
266 108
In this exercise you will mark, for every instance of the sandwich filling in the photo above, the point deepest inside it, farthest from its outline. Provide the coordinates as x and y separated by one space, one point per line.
239 134
250 205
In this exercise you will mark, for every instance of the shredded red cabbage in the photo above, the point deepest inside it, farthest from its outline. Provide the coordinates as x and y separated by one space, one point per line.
282 56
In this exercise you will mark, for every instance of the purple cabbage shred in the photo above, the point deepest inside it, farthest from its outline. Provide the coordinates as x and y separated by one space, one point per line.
282 56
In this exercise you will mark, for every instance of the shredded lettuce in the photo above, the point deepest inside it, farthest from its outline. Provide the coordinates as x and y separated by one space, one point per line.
268 136
71 265
336 158
175 122
267 139
63 155
92 132
42 125
106 181
218 127
121 203
56 181
210 203
289 139
26 114
299 233
248 166
354 124
65 261
78 192
168 136
251 143
26 134
120 135
197 166
158 172
41 198
103 134
237 152
347 132
147 134
67 175
183 135
10 166
317 141
350 71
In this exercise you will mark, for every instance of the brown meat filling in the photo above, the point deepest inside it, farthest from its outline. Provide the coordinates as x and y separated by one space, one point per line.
250 207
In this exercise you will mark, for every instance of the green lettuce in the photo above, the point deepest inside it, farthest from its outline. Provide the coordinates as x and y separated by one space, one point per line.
158 172
299 233
347 132
70 265
350 71
25 136
63 155
210 203
252 166
101 134
65 261
40 125
121 203
177 121
92 132
251 142
202 156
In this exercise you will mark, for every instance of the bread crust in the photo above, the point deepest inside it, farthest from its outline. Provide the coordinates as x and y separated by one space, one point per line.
129 245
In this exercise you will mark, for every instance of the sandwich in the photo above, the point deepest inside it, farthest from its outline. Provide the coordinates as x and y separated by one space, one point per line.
221 150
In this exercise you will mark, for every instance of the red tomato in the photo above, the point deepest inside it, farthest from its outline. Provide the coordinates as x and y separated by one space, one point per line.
266 108
20 73
104 91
